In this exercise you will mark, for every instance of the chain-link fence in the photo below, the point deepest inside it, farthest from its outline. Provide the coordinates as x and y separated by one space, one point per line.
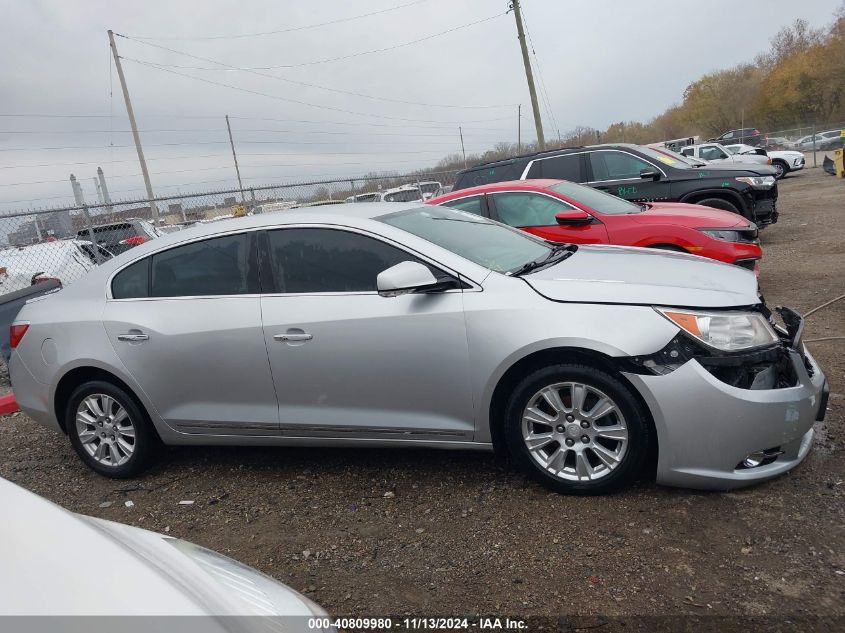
64 243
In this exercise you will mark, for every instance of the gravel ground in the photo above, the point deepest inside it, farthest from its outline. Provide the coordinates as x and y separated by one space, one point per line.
375 532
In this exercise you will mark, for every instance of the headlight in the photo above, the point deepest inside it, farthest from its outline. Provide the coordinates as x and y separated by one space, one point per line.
726 331
758 182
723 234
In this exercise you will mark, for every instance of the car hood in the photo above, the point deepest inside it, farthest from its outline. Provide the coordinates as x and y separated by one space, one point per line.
641 276
737 169
689 215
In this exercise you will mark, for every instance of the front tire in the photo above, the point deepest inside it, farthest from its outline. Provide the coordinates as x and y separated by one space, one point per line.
577 430
781 169
108 430
719 203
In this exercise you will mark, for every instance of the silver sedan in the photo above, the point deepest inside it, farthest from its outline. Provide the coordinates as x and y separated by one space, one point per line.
407 325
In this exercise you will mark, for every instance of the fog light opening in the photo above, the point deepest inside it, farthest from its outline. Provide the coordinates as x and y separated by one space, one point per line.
760 458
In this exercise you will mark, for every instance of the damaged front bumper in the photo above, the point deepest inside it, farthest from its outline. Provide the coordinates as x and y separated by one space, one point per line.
731 420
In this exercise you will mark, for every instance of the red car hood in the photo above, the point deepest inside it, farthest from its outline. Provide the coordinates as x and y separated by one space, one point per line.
690 215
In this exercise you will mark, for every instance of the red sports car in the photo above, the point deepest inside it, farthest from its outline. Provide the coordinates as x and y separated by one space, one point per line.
562 211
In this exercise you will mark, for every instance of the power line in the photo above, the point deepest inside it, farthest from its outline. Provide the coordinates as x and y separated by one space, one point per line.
305 103
449 124
543 88
303 83
278 31
328 59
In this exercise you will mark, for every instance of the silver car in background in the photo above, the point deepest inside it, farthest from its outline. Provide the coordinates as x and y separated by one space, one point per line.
57 563
360 325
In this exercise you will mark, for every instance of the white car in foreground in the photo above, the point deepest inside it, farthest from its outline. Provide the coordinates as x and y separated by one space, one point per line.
784 161
57 563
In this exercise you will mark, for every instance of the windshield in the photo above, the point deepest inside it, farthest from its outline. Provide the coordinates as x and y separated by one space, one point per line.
595 199
482 241
665 156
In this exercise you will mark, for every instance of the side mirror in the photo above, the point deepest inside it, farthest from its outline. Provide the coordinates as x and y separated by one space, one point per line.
573 217
649 174
404 278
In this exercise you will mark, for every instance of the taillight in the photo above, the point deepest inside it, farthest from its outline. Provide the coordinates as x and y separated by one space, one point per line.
16 332
135 240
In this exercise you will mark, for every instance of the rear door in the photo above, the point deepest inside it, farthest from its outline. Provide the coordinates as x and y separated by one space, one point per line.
535 213
618 172
186 322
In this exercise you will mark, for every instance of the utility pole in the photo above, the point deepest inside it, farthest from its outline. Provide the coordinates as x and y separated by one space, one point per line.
461 132
535 106
235 156
131 114
519 129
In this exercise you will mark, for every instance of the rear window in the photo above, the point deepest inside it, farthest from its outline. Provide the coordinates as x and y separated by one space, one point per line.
486 175
109 234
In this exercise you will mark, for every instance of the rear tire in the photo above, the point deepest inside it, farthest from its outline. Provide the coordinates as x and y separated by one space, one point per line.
719 203
109 431
576 430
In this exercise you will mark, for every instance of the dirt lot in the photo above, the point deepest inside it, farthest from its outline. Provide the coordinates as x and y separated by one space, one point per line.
372 532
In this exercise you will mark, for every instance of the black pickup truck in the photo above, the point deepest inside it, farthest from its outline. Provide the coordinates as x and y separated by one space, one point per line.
643 174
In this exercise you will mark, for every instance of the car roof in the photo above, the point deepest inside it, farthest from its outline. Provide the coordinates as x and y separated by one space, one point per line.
531 184
553 152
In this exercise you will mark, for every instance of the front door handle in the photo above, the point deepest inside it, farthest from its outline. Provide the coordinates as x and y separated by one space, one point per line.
133 337
288 338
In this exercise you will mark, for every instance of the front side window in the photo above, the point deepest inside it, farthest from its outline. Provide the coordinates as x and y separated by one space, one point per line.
595 199
479 240
712 153
616 166
217 266
528 209
472 204
329 260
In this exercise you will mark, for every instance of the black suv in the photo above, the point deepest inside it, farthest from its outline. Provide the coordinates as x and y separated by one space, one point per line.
747 135
643 174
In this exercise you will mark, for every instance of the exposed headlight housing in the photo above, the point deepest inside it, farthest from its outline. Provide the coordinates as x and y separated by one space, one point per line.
758 182
725 331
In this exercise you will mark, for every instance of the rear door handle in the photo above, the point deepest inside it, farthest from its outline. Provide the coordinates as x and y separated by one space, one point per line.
133 337
286 338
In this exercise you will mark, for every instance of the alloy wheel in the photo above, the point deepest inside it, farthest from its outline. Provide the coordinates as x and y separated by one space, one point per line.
105 429
574 431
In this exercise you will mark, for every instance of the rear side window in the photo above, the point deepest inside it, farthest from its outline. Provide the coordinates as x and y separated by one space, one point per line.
486 175
473 204
560 168
329 260
133 281
217 266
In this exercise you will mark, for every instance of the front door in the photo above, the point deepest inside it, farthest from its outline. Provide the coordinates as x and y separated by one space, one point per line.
535 213
186 323
349 363
618 173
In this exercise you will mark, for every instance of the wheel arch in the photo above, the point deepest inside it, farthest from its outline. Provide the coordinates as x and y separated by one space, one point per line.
82 374
555 355
724 194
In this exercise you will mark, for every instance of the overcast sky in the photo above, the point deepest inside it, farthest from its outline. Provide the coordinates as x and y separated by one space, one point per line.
600 62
